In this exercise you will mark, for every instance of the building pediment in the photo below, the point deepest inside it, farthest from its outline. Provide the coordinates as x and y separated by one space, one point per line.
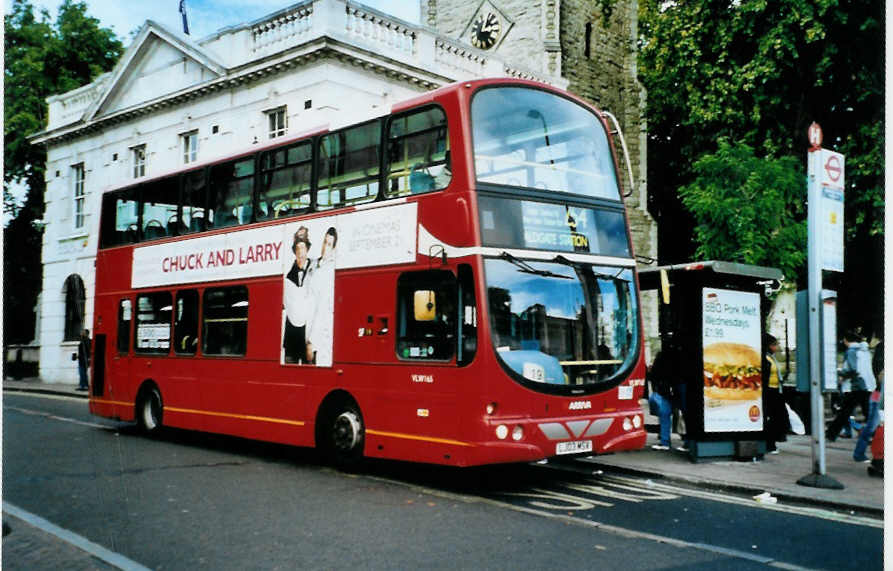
158 63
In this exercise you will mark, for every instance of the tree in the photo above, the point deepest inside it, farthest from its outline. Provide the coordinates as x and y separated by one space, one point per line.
758 73
748 209
42 58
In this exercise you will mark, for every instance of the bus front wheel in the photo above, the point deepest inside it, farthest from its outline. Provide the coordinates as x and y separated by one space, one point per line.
149 411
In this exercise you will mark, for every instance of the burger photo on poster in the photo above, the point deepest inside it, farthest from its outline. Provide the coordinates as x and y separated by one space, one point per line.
732 372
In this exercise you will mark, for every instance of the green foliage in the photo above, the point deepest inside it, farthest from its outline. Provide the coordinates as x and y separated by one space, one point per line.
758 73
747 208
42 58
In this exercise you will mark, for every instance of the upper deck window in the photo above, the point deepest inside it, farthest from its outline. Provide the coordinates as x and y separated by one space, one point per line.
231 186
285 181
418 153
531 138
348 166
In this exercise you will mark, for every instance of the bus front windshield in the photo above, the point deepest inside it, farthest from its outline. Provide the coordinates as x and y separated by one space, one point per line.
562 326
530 138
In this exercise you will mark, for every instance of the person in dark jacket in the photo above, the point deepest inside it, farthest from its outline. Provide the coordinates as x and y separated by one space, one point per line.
662 376
83 359
776 422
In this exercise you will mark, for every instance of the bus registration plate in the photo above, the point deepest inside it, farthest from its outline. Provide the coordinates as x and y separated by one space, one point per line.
573 447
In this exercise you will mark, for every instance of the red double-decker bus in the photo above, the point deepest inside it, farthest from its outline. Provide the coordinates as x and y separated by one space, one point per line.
451 283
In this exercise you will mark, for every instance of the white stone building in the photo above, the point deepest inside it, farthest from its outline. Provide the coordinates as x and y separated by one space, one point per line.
172 100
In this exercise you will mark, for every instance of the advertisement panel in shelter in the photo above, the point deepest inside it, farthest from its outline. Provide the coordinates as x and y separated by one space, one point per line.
732 361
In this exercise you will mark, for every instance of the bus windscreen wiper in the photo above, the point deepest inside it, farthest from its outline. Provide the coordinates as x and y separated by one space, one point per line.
565 262
526 268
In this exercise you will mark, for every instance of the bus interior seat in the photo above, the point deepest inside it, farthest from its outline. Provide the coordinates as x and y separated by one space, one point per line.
420 180
197 224
153 230
175 226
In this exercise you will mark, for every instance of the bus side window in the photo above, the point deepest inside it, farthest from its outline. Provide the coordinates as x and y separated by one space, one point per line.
231 188
125 313
284 188
418 157
159 204
120 218
225 321
153 323
348 166
426 315
186 323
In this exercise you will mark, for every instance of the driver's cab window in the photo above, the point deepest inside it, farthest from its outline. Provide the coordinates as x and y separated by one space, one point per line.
427 315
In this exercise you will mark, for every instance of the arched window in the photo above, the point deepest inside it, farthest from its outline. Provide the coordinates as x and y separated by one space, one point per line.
75 301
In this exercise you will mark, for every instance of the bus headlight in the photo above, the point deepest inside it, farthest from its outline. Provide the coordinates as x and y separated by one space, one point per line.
637 421
491 408
627 425
502 431
517 433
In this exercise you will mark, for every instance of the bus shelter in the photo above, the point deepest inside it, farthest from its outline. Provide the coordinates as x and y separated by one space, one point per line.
712 315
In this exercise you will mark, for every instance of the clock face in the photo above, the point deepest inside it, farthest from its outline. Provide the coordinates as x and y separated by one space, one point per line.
485 31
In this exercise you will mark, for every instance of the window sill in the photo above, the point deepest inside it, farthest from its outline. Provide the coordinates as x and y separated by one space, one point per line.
79 235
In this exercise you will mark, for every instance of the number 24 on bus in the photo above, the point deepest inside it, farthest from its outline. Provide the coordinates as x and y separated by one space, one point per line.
450 283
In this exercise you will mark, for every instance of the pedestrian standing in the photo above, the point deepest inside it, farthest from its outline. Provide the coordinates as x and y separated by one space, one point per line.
874 406
664 391
777 423
857 369
83 359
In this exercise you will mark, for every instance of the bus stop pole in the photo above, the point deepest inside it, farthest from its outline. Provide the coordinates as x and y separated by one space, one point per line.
818 478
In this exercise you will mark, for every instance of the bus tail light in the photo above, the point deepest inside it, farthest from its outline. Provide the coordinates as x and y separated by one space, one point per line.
502 431
517 433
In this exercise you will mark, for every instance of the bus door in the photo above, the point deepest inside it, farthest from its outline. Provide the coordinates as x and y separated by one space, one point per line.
115 385
99 365
436 336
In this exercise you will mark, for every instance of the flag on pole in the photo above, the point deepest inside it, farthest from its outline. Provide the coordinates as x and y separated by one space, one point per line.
183 11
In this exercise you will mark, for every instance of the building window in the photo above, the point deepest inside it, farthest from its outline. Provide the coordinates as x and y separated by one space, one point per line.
77 177
139 161
75 299
278 122
189 146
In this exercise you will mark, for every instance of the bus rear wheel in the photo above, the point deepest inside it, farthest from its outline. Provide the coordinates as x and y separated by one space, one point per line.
345 436
149 411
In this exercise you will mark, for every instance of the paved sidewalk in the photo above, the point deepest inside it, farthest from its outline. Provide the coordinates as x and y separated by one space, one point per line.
776 474
27 547
34 385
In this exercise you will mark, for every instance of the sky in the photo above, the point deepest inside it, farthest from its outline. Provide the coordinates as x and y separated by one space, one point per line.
205 16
